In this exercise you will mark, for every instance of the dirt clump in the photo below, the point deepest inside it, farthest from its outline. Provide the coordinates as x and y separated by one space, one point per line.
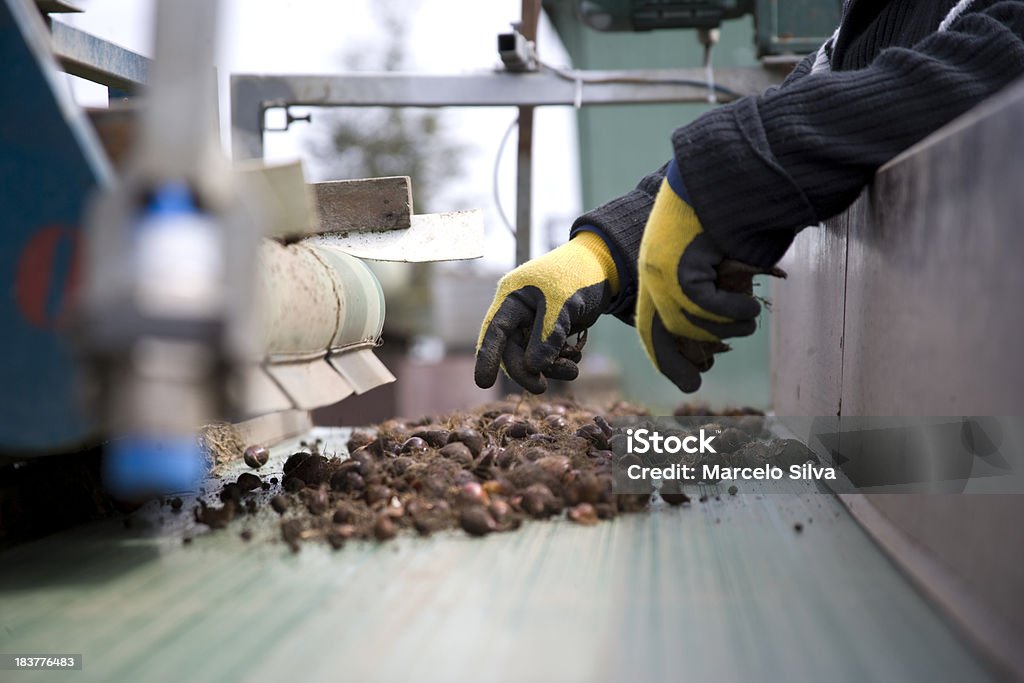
222 441
483 472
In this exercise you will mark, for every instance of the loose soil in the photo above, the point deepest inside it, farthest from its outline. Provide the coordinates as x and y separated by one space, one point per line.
483 471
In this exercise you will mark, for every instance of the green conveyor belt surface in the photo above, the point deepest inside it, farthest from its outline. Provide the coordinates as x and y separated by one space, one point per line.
724 590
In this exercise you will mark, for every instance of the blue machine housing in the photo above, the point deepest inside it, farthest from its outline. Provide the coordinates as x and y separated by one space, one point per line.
50 162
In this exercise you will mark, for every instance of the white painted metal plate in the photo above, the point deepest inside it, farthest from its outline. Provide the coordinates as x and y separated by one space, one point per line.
310 384
450 236
263 394
362 369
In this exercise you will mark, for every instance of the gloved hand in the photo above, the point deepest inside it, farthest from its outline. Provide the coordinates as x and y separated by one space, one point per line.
683 310
537 306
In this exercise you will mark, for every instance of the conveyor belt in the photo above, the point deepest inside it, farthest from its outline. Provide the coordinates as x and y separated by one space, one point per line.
724 590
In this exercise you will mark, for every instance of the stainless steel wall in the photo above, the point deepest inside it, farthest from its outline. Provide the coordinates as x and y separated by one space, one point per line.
621 144
910 303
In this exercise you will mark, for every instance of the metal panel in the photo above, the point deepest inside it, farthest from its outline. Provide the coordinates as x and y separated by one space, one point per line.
932 326
51 161
361 369
263 394
933 304
310 384
979 544
274 428
934 323
795 26
807 322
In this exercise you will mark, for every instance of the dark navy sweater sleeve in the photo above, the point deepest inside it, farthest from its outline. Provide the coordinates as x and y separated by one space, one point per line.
620 223
761 168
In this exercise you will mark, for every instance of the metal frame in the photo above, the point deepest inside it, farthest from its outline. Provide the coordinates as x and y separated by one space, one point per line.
87 56
124 72
252 95
53 163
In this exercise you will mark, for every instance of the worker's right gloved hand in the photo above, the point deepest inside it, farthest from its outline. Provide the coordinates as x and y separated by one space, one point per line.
684 310
538 306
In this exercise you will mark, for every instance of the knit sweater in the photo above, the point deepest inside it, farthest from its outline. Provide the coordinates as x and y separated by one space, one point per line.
763 167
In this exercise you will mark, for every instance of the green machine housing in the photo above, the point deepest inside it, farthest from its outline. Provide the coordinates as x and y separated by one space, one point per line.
781 27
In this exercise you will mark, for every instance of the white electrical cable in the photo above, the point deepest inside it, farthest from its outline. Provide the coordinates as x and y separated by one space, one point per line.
954 14
494 185
710 73
579 79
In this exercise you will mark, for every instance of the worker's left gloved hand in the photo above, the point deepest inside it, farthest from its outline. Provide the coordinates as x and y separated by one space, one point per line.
682 313
538 306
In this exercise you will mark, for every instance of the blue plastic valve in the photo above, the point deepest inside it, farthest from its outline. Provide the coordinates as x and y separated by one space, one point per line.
141 467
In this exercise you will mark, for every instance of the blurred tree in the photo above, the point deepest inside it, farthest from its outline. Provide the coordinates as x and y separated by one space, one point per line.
388 141
371 142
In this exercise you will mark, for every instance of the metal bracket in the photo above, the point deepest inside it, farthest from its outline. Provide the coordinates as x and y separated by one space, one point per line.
289 119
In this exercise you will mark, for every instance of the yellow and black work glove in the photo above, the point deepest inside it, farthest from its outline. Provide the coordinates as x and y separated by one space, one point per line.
686 304
538 306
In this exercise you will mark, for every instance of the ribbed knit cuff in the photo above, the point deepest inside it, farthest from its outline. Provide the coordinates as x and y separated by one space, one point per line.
598 248
620 223
675 181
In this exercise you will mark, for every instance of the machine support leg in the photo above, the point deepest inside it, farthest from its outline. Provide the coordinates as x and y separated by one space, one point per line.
524 182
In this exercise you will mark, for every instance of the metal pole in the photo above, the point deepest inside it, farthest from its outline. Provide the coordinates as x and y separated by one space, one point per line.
524 183
87 56
524 159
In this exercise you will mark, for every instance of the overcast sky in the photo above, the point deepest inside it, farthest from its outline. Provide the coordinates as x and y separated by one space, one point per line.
446 36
